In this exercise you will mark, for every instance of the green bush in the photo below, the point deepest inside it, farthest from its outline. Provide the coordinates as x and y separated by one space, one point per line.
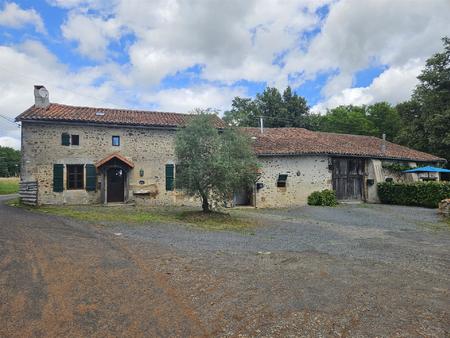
325 198
422 194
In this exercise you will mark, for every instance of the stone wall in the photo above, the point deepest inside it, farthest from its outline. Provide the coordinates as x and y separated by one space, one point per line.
305 175
444 207
149 150
376 172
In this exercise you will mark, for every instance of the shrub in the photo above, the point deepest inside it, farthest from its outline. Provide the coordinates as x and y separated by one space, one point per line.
422 194
325 198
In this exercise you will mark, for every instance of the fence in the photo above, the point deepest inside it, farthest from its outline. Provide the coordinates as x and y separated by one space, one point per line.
28 192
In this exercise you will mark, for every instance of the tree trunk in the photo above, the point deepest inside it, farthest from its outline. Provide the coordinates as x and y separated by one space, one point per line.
205 204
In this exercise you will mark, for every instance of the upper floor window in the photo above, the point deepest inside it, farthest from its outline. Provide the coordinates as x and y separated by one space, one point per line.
281 182
67 139
75 140
75 176
116 141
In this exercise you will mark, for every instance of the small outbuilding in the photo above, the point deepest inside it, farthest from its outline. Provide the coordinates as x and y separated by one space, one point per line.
295 162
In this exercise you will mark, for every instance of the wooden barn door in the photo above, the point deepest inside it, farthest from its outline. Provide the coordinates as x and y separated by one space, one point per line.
348 178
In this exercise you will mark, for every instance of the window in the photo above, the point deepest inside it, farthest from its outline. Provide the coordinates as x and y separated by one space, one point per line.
281 182
75 176
116 141
67 139
75 140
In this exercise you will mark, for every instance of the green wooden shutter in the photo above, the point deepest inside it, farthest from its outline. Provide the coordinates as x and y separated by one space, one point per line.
169 177
65 139
58 177
91 177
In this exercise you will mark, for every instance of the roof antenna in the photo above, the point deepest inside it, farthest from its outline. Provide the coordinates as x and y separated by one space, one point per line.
383 144
261 123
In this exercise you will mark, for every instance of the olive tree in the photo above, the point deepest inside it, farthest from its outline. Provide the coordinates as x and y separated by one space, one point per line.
213 163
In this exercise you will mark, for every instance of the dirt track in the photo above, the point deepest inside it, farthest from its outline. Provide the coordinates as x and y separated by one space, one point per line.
62 278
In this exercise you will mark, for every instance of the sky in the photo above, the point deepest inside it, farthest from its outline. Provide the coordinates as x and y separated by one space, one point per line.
177 55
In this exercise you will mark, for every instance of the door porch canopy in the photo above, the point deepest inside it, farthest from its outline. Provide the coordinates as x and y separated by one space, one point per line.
114 159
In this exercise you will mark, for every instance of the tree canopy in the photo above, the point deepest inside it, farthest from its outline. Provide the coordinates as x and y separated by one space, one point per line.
374 120
426 116
213 164
285 109
9 162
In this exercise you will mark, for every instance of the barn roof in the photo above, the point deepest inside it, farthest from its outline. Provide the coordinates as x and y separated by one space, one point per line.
299 141
64 113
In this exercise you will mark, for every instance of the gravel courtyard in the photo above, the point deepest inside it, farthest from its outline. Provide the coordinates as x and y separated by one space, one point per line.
354 270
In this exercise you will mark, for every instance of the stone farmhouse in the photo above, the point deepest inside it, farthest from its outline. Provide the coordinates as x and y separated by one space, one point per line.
84 155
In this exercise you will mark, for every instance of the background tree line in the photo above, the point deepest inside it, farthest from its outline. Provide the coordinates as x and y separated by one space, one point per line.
422 123
9 162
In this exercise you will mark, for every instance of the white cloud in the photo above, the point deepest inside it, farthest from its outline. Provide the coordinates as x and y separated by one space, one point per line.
186 99
22 66
11 142
232 40
15 17
359 34
93 34
393 85
229 41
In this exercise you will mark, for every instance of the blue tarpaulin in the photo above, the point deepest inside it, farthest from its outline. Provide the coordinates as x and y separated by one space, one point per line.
427 169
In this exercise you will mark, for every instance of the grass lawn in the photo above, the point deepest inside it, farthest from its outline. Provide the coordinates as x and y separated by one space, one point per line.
9 185
215 221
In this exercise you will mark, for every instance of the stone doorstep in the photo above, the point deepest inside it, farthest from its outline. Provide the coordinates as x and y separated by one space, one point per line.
350 202
119 204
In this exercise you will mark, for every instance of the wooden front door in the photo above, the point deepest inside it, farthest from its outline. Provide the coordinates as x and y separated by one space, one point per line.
115 185
348 178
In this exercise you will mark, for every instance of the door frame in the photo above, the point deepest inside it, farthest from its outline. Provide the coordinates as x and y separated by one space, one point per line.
126 171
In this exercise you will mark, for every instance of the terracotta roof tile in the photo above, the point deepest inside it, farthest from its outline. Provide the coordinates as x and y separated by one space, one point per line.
60 112
296 141
114 156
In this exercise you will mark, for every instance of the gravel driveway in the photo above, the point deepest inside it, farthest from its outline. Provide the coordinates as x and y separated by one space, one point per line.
354 270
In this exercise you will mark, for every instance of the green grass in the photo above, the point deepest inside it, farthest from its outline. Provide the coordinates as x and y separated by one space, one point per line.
9 185
214 221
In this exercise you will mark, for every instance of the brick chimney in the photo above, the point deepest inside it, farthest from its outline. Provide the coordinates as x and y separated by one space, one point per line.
41 99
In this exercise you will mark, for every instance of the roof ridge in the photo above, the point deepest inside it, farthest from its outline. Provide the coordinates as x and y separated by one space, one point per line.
117 109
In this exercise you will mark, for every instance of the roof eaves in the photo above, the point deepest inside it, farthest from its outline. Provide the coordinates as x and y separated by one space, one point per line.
438 159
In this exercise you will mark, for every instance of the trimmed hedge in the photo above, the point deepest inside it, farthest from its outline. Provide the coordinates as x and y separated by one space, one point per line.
422 194
324 198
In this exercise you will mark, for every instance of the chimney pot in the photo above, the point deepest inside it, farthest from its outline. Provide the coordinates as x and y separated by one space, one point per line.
41 99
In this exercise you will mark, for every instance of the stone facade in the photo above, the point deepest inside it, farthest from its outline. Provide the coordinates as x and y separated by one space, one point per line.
149 150
305 174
